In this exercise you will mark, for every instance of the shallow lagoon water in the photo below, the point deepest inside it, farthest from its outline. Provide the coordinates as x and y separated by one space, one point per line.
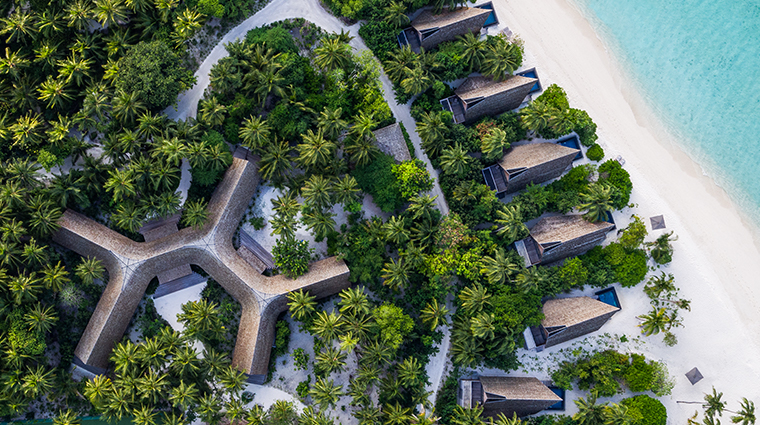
697 64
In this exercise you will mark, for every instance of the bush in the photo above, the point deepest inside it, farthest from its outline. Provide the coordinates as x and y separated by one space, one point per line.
300 359
274 37
630 266
583 125
377 179
640 375
292 256
154 71
380 37
281 339
303 387
408 141
412 177
648 410
205 175
613 173
595 152
555 96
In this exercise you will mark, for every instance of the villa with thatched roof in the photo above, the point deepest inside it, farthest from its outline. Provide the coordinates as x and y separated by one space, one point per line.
428 30
480 96
132 265
558 237
525 164
390 141
506 394
569 318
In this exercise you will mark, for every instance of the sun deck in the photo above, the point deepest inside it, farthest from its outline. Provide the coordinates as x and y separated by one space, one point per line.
454 105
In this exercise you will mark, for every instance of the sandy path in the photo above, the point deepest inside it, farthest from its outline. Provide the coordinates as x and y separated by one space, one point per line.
716 263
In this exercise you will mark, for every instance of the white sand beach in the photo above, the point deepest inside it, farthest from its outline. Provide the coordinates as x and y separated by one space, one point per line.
716 261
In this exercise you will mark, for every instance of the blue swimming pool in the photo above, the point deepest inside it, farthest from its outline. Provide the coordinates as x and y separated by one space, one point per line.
572 142
531 73
560 405
491 20
609 296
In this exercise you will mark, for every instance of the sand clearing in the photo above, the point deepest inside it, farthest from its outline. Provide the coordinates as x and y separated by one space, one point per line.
716 262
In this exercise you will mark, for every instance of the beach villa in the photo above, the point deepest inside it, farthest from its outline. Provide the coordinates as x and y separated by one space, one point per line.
428 30
558 237
506 394
569 318
390 141
479 96
525 164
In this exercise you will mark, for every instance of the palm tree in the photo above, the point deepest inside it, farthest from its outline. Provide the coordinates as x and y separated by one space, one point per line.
54 92
144 415
422 207
465 416
33 254
27 130
21 25
502 58
195 214
354 301
330 122
617 414
537 115
455 161
655 322
209 407
348 342
37 382
493 143
433 131
474 298
409 372
363 125
325 393
55 276
127 106
171 150
201 318
255 133
331 54
269 82
321 223
328 361
235 410
502 419
395 275
151 386
395 14
396 415
498 268
316 192
597 201
346 190
402 61
395 231
128 216
434 314
714 404
482 326
315 151
185 26
66 417
185 362
416 80
745 416
531 279
661 250
66 189
589 413
183 395
362 150
276 160
232 380
510 221
40 319
89 270
110 12
474 50
212 112
327 326
98 389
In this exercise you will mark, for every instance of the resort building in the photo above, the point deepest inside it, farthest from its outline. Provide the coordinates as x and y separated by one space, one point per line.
569 318
428 30
480 96
558 237
132 265
525 164
506 394
390 141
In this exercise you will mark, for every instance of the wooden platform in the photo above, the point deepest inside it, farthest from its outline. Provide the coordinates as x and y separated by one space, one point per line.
262 255
178 284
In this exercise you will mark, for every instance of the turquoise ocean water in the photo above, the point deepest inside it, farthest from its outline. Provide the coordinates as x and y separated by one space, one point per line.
697 64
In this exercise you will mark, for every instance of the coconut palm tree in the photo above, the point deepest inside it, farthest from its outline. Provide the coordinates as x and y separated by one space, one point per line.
395 231
34 255
316 192
376 353
20 25
498 268
474 50
269 82
502 58
37 382
315 151
510 223
416 80
395 274
325 393
401 62
482 325
433 131
328 361
331 54
195 214
396 415
362 151
537 115
474 298
255 132
661 250
210 406
40 319
44 221
171 150
185 25
201 318
151 386
617 414
89 270
232 380
212 112
110 12
465 416
185 362
127 106
144 415
54 92
597 201
363 125
589 413
422 207
330 122
714 404
655 321
502 419
395 14
55 276
409 372
746 415
327 326
455 161
531 279
321 223
183 395
65 188
66 417
346 190
493 143
128 216
434 314
353 301
27 130
276 160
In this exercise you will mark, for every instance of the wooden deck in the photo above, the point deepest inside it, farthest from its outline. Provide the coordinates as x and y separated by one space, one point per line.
261 254
178 284
477 393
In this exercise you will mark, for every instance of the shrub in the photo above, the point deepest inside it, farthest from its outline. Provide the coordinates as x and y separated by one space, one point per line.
633 236
412 177
613 173
555 96
377 179
281 339
392 324
595 152
300 359
649 411
303 387
640 375
408 140
583 125
600 372
380 37
572 274
274 37
292 256
630 266
205 174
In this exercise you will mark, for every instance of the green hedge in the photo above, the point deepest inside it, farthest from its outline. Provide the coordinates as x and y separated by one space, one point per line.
648 410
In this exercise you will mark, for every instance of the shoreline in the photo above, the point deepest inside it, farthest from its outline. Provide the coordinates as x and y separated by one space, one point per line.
717 258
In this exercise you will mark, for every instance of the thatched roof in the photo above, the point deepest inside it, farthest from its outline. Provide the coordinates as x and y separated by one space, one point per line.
427 20
564 228
132 265
481 86
572 311
517 388
390 140
531 155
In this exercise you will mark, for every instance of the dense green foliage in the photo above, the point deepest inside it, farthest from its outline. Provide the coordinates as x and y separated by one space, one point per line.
650 410
412 178
377 179
292 257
